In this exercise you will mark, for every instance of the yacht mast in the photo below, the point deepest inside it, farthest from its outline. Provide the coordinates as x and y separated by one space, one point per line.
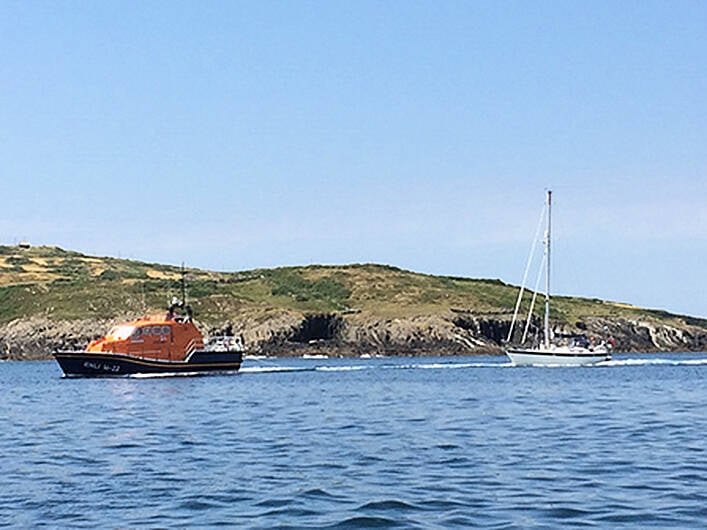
184 286
547 275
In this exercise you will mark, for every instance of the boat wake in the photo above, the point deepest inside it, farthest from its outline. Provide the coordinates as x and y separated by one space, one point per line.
657 362
275 369
458 366
362 367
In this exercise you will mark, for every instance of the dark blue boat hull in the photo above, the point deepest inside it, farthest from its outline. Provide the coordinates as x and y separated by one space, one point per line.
87 364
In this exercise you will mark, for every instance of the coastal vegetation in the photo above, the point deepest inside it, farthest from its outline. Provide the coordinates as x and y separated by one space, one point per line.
368 306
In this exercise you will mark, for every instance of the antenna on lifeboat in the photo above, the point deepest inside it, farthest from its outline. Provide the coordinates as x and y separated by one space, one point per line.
184 286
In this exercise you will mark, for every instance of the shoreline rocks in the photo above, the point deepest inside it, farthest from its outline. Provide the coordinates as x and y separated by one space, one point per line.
291 334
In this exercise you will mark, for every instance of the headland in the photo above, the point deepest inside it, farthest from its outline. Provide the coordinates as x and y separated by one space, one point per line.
52 298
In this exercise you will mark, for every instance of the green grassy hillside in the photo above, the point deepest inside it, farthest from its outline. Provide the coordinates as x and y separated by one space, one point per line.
64 285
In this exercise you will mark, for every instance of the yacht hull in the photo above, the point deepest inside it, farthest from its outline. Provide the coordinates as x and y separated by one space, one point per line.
521 357
88 364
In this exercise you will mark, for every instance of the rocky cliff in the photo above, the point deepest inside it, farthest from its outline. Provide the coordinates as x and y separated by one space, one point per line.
286 333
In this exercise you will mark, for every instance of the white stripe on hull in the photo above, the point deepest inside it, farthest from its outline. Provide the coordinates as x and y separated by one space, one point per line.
556 358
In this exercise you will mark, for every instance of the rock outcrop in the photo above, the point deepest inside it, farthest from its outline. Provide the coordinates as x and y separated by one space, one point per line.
36 338
287 333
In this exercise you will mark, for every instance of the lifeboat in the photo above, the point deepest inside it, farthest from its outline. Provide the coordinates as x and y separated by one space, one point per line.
161 344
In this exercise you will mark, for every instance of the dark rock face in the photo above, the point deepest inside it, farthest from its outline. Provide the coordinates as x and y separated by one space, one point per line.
494 330
293 334
318 327
466 323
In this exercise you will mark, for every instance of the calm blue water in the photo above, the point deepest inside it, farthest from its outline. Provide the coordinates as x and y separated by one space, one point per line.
389 443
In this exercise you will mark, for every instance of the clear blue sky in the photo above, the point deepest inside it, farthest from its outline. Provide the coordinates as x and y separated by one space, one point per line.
234 135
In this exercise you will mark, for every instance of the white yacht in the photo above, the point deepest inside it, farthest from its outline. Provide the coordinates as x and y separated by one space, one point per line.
574 351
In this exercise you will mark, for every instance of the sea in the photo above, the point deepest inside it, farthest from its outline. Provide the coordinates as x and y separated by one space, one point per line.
424 442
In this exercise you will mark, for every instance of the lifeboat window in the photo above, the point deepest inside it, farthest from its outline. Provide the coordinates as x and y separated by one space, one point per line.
147 331
121 332
165 330
137 333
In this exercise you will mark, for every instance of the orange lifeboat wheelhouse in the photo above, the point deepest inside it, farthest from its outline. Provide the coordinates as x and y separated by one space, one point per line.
154 338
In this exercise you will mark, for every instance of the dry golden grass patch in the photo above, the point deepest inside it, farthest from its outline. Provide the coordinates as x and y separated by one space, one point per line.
623 305
160 275
10 278
36 268
18 278
97 270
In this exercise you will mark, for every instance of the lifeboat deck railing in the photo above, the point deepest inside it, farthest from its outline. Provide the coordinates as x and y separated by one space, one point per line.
224 343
